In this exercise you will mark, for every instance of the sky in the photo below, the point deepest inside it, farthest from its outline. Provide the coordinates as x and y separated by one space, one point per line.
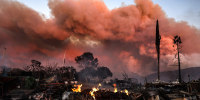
122 37
180 10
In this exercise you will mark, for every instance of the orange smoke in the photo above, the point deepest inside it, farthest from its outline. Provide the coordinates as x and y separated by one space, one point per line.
123 37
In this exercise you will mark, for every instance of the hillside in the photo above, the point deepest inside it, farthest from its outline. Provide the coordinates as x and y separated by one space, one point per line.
194 73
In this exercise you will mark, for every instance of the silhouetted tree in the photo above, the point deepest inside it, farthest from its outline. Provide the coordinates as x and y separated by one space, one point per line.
19 72
29 82
36 69
35 66
177 42
86 74
104 72
4 72
68 72
90 70
86 60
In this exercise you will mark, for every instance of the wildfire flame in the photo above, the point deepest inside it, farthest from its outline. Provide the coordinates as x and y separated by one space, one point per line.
126 91
99 85
94 90
115 89
77 89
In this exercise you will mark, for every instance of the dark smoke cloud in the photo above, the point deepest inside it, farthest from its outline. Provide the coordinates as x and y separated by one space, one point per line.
122 38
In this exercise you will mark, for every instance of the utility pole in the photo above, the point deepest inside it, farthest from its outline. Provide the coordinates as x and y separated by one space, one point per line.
4 52
4 57
177 41
64 58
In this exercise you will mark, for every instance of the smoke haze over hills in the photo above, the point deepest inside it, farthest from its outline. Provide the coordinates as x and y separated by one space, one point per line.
122 38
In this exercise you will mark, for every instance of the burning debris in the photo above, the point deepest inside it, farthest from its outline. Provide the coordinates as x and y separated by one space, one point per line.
56 86
92 92
77 88
97 94
115 89
126 91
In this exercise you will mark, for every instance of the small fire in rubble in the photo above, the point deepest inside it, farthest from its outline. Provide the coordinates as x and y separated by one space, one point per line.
126 91
77 88
115 88
94 90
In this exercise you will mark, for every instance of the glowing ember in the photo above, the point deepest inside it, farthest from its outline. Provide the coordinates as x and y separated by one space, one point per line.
99 85
77 89
115 90
114 85
126 91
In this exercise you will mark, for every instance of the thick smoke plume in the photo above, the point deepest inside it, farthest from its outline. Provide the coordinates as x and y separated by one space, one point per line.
122 38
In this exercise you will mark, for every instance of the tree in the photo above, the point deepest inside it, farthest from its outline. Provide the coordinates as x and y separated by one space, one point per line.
4 72
29 82
35 66
104 72
177 42
68 72
90 70
86 74
86 60
36 69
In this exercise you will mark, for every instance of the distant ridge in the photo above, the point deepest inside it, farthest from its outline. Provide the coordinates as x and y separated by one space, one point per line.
168 76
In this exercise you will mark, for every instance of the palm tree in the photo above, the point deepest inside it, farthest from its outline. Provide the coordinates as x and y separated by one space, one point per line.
177 42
